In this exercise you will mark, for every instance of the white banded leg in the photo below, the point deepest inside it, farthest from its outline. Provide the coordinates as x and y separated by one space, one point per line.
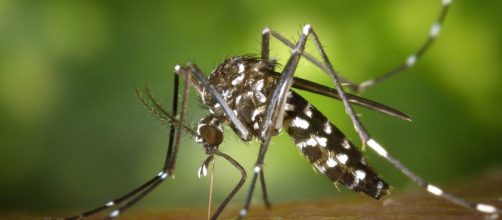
434 190
365 137
407 63
276 106
138 193
412 59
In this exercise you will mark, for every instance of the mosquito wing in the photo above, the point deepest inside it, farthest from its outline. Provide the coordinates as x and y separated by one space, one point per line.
306 85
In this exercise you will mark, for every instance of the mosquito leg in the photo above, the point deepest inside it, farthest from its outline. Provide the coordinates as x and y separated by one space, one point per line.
480 207
169 165
201 84
361 131
408 63
145 188
236 188
268 205
365 137
307 56
275 111
171 161
412 59
265 44
265 55
114 202
172 129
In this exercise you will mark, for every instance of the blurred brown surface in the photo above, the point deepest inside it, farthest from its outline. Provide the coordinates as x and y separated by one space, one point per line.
400 205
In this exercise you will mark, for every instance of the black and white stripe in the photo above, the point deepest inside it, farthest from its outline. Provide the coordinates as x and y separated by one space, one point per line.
327 148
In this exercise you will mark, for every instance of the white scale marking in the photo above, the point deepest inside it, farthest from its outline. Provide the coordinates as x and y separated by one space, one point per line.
331 163
163 176
434 190
198 139
346 144
220 127
238 99
298 122
256 126
308 111
256 112
342 158
203 96
306 29
309 142
114 214
435 29
377 147
259 85
226 94
243 212
327 127
289 107
238 79
257 169
241 68
110 204
202 170
360 174
411 60
261 97
322 141
198 127
321 169
446 2
161 173
485 208
363 161
379 187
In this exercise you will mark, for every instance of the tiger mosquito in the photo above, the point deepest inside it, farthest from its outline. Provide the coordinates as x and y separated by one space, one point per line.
257 102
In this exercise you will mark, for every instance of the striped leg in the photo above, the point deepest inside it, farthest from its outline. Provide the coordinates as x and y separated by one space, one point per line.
275 109
203 172
367 140
483 208
405 65
412 59
168 169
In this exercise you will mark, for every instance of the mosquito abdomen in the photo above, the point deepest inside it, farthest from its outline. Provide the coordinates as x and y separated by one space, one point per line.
328 150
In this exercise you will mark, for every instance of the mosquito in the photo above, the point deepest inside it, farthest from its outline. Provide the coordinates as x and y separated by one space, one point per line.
257 102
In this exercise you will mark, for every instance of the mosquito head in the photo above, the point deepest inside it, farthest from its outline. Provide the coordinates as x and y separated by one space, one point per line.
210 134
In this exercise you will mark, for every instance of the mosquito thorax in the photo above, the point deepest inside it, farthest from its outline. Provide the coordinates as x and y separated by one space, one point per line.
246 85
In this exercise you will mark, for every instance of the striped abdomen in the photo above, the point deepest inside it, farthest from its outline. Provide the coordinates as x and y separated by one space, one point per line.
327 148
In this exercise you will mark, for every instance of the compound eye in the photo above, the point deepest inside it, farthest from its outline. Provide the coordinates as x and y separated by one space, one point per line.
211 135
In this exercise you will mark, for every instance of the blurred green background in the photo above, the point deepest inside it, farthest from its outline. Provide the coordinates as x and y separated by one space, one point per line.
73 135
